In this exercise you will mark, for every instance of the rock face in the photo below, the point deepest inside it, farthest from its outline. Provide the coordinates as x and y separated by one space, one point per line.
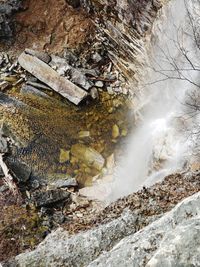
7 8
125 24
161 243
172 240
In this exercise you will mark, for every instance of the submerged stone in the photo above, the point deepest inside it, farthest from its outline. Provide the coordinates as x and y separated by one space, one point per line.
88 155
115 131
64 155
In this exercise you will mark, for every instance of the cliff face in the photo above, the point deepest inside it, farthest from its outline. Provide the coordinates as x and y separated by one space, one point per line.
124 24
7 8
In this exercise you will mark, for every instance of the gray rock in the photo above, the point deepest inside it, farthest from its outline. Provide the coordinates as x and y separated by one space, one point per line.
4 85
79 78
35 184
96 57
41 55
94 93
58 249
19 169
1 173
49 197
3 188
58 217
180 247
145 247
99 84
172 240
3 145
47 75
28 89
63 183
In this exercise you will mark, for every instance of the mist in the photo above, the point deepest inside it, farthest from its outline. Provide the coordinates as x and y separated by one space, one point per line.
159 145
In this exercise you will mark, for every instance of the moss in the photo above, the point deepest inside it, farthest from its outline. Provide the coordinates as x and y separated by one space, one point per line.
51 124
20 228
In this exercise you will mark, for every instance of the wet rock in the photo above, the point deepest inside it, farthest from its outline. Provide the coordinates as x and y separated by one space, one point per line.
33 82
88 155
28 89
115 131
64 183
50 197
64 155
84 134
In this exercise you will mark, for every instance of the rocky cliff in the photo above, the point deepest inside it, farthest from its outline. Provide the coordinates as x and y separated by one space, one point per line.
124 25
172 240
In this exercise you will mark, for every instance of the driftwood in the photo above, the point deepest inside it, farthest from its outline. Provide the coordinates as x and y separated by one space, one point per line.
50 77
8 178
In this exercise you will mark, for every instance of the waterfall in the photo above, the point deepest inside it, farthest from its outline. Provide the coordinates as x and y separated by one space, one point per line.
160 145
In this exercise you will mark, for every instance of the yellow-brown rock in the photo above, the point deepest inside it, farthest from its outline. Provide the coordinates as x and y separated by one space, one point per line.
88 155
64 155
115 131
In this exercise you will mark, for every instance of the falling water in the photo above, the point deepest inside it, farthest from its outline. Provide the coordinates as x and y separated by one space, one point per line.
160 145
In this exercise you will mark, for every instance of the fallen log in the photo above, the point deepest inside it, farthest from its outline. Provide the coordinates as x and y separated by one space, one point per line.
50 77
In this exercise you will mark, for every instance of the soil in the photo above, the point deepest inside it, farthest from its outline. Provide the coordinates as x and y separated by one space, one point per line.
52 26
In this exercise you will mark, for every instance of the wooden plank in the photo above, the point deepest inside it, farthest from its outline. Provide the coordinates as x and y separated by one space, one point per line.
50 77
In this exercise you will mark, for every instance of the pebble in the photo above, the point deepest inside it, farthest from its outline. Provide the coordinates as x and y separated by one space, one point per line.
64 155
3 188
99 84
4 85
115 131
94 93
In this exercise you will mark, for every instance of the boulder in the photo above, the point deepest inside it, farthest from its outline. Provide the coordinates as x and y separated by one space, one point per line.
58 249
88 155
172 240
47 75
49 197
19 169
